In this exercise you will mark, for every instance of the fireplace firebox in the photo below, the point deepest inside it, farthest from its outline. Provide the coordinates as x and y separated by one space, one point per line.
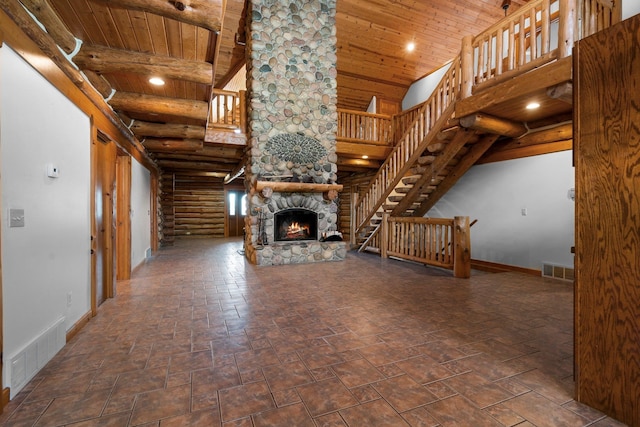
295 224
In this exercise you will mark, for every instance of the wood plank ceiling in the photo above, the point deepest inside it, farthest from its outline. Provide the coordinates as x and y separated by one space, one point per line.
197 45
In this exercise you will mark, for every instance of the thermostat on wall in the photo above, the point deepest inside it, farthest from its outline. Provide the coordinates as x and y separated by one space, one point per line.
53 171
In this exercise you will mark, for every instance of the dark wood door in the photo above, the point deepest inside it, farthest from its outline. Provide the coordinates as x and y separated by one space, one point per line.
103 228
607 154
236 210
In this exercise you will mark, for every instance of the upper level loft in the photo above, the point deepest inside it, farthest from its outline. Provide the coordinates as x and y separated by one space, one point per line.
512 80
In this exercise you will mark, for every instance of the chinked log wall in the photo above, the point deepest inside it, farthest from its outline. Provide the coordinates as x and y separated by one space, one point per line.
198 205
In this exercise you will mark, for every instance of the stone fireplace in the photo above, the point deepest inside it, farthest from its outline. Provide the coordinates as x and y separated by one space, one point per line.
291 169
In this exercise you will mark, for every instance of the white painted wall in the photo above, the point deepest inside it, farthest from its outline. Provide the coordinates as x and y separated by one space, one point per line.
48 259
140 212
422 89
496 193
630 8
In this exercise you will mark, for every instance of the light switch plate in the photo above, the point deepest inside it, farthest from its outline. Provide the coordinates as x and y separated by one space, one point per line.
16 217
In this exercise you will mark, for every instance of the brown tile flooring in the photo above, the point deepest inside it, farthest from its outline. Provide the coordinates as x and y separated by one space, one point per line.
201 337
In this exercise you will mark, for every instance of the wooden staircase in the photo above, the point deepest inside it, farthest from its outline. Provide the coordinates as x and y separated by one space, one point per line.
449 151
495 71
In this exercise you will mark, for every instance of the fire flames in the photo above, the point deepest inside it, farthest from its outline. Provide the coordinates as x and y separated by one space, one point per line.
297 230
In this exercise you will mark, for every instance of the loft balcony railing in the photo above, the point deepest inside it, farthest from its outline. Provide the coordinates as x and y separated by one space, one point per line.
539 32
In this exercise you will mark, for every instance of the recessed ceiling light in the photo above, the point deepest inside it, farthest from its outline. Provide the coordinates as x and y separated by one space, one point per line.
533 105
411 46
156 81
365 157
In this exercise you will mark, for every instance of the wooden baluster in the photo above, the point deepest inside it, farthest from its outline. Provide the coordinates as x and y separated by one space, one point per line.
384 235
565 29
489 57
499 52
533 35
511 54
545 41
521 42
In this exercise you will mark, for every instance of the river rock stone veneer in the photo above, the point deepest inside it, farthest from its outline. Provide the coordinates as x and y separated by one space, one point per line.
291 84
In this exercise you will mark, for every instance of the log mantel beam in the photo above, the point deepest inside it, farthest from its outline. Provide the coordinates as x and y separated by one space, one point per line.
202 13
103 59
141 103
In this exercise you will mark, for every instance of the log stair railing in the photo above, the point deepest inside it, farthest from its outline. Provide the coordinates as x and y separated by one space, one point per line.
436 148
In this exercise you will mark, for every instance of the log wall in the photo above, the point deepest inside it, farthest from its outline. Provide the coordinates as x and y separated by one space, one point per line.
198 205
167 220
356 183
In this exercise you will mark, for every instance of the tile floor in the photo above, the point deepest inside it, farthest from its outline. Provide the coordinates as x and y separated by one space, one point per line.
200 337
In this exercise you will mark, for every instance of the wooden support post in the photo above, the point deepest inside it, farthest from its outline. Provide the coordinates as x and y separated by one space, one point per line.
352 220
566 27
466 65
384 235
461 248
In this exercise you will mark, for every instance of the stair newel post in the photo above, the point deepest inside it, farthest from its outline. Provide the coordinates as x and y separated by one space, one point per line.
566 27
384 235
353 224
466 66
462 247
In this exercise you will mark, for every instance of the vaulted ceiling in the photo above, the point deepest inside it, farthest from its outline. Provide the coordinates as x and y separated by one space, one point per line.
198 45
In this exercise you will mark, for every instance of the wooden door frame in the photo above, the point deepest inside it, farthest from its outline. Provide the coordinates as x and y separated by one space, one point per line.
123 216
4 394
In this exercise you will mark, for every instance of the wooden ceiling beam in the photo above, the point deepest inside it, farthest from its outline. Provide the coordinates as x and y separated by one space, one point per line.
103 59
194 157
142 103
167 130
172 145
47 16
496 125
201 13
197 165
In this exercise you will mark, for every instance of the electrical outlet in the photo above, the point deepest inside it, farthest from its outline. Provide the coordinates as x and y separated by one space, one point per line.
523 211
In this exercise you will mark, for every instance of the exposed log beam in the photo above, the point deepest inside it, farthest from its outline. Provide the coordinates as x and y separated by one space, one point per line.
558 133
475 152
194 157
173 145
563 92
167 130
225 136
59 32
23 22
141 103
108 60
440 162
99 82
527 151
188 165
202 13
489 124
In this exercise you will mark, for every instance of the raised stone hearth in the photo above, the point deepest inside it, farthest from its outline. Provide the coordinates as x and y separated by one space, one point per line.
292 128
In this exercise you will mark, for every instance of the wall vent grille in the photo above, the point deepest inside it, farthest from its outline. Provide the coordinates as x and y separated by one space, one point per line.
554 271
